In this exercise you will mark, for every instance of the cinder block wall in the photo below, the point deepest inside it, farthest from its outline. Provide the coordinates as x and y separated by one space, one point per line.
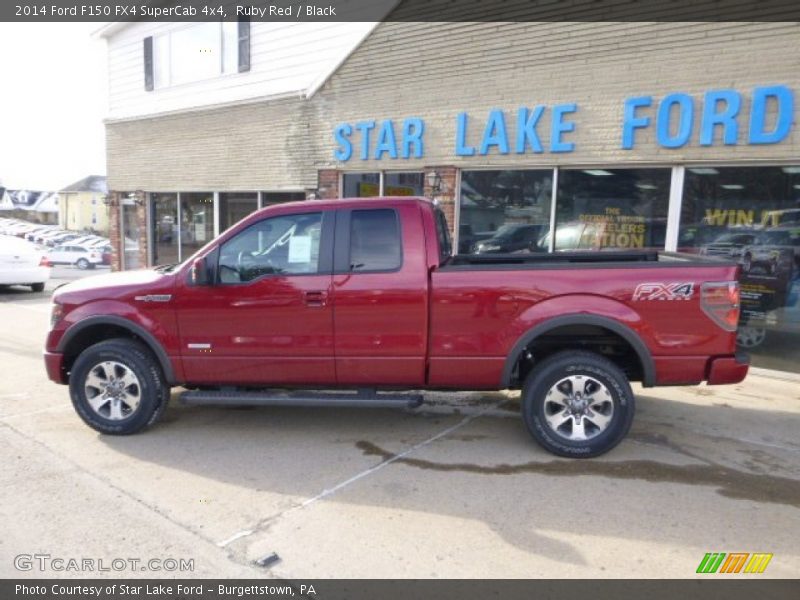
436 70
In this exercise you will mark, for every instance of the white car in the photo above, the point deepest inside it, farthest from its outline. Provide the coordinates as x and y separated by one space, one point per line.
80 256
22 263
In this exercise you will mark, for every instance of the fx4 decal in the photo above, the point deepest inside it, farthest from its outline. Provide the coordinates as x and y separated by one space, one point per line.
664 291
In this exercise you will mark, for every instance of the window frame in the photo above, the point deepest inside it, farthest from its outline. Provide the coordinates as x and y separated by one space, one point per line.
342 246
167 82
324 264
381 173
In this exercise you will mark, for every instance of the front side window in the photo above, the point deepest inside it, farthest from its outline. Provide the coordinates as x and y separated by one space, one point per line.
375 241
285 245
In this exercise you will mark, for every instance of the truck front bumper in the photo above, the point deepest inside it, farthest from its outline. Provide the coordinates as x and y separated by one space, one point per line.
728 369
54 363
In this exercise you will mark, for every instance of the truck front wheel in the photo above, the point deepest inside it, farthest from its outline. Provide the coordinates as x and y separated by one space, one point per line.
117 387
577 404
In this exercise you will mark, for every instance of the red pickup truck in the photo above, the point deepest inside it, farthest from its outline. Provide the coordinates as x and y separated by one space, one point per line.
364 295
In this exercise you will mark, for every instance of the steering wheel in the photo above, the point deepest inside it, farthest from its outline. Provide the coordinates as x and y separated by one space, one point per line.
245 262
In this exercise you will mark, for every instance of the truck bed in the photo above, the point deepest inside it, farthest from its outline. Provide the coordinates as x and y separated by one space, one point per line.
585 259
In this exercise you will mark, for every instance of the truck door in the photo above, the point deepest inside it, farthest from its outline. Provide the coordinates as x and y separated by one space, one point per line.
380 288
268 318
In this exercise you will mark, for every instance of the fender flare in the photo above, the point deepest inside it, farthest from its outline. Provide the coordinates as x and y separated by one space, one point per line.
148 338
625 332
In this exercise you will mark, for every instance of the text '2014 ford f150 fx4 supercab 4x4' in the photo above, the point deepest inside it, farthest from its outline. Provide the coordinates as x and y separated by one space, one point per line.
364 295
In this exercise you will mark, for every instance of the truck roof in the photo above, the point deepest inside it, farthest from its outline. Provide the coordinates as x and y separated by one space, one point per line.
345 202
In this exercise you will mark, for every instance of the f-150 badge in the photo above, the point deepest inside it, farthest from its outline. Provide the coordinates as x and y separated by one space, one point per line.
664 291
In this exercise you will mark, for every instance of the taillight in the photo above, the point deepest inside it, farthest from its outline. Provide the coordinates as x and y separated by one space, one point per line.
43 262
720 301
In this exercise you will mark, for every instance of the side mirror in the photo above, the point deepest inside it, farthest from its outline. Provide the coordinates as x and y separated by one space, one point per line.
201 274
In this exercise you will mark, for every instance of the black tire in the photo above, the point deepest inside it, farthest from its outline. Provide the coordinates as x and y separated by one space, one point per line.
580 364
153 393
82 264
37 287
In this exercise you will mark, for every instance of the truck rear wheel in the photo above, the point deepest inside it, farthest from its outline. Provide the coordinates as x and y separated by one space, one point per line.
577 404
117 387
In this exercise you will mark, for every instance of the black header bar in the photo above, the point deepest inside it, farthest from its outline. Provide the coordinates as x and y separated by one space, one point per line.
109 11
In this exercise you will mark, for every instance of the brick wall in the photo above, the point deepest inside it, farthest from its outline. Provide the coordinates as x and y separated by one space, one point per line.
328 184
115 232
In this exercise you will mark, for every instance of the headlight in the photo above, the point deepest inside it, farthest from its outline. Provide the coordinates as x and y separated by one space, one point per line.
56 313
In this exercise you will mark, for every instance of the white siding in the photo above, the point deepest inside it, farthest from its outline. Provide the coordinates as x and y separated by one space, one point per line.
285 58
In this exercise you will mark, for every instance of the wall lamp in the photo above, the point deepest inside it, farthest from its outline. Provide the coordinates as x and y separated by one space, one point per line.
434 181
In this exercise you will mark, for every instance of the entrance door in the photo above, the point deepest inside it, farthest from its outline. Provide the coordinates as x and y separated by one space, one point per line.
268 318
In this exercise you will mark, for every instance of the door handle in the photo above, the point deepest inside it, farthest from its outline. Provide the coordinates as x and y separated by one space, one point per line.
315 298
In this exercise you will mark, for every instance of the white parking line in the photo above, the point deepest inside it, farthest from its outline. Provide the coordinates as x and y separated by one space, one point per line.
234 537
370 471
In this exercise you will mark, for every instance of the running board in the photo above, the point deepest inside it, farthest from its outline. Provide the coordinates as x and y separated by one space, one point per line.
367 399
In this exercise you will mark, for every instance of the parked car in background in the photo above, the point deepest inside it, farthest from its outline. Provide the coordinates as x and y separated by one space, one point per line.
105 254
31 233
80 256
22 263
61 238
729 244
773 250
512 237
89 240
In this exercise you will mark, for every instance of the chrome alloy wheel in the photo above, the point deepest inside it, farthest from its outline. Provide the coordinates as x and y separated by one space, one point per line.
112 390
578 407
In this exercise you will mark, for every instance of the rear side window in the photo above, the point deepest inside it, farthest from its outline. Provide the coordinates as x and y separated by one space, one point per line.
375 240
443 233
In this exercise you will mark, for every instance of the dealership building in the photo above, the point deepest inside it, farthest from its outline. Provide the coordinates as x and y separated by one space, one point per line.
532 136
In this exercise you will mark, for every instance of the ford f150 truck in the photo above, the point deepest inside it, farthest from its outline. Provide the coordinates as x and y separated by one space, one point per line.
364 295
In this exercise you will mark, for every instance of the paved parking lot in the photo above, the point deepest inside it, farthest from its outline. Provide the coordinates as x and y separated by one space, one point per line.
454 489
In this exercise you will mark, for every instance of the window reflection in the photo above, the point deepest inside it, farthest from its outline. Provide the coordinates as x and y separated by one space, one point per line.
504 211
361 185
752 215
612 208
164 215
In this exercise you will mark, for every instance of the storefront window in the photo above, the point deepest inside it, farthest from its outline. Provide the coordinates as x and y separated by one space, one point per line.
131 234
403 184
752 215
235 206
164 215
504 211
270 198
197 221
611 208
361 185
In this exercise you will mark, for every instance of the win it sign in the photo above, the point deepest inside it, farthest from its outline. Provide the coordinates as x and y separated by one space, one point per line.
735 562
